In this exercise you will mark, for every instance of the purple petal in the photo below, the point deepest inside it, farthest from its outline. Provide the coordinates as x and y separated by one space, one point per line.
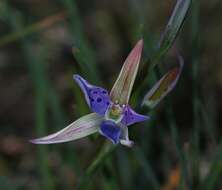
110 130
130 117
97 98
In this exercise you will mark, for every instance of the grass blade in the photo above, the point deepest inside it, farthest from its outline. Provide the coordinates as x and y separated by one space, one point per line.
81 50
95 164
138 153
173 26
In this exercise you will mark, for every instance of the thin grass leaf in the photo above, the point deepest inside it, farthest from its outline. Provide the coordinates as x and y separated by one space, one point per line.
122 88
176 139
150 175
215 172
82 127
6 183
167 39
125 170
197 127
208 116
37 73
173 26
182 155
82 50
98 162
33 28
163 86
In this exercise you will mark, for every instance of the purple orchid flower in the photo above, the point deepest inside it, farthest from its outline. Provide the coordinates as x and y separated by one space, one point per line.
111 112
117 117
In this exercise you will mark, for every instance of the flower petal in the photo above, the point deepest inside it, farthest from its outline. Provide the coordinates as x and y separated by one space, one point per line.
163 86
123 86
97 98
130 117
110 130
124 139
82 127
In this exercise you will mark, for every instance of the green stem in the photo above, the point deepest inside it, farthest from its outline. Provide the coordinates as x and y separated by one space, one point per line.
82 49
184 180
37 73
32 28
106 150
40 115
195 63
147 169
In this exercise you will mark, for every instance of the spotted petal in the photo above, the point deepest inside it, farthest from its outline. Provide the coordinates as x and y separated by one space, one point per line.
82 127
123 86
130 117
96 97
163 86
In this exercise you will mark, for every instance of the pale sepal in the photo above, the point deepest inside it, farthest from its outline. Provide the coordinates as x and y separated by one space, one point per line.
124 139
122 88
163 86
80 128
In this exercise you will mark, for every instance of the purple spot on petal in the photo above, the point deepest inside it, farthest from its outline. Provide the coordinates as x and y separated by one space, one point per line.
99 100
96 97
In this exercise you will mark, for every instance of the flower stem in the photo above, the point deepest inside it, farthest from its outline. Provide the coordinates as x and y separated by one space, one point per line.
105 151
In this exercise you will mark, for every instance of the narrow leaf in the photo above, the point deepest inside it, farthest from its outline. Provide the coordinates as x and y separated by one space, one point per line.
163 86
82 127
173 26
123 86
82 50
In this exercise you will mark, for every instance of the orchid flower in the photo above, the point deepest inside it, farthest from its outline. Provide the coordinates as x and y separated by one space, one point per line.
111 112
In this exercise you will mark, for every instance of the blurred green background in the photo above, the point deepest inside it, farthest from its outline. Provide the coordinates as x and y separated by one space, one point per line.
43 43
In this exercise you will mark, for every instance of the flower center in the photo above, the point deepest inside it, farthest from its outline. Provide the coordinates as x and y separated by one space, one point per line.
114 112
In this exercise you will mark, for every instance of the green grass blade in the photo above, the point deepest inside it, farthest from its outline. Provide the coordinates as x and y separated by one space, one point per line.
37 73
195 141
124 167
167 39
184 181
98 162
6 183
32 28
138 153
215 172
173 26
81 50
